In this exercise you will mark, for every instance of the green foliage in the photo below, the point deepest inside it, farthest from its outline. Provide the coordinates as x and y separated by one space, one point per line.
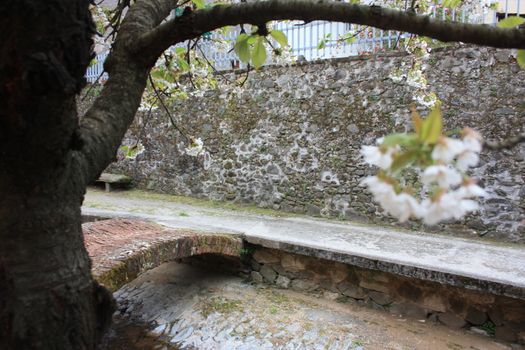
451 3
489 327
511 22
259 53
280 37
414 147
132 151
199 3
521 58
432 127
251 48
246 252
322 43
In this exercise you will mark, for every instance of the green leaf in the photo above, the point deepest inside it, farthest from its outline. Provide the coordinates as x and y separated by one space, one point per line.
180 50
511 22
242 49
252 39
183 65
432 126
280 37
321 45
521 58
259 53
451 3
402 139
404 159
199 3
416 120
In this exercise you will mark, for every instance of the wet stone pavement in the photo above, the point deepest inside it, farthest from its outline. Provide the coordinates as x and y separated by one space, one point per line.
182 306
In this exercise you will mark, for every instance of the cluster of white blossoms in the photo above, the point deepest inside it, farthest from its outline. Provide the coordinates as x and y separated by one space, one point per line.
444 191
195 148
414 75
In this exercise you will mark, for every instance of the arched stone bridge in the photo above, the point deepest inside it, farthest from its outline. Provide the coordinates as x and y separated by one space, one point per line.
121 249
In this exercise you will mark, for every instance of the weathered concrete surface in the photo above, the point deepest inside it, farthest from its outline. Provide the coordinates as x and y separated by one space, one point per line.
121 249
493 268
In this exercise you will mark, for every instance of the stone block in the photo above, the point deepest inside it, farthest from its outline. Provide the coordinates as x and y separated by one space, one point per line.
409 291
378 287
408 310
256 277
266 256
476 316
351 290
506 333
303 285
496 316
338 272
268 273
293 263
433 302
331 295
451 320
283 282
382 299
255 265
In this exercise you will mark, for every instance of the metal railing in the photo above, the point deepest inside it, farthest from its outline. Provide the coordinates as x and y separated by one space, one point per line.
304 38
95 71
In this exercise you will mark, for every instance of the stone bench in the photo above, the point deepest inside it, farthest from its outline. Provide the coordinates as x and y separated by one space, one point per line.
114 180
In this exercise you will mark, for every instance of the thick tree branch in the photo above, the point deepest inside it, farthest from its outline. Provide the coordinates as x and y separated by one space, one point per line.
104 125
193 25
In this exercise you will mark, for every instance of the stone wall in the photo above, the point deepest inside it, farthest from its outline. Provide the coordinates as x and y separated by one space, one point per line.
455 307
289 139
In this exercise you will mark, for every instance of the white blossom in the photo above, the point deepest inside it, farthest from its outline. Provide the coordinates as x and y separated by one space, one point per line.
467 159
445 176
447 206
376 156
472 140
401 206
425 99
195 148
416 79
378 187
470 190
447 149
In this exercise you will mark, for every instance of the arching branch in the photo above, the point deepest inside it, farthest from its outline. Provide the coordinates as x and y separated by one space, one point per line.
198 22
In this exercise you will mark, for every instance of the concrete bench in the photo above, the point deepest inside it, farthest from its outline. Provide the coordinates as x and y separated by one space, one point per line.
115 180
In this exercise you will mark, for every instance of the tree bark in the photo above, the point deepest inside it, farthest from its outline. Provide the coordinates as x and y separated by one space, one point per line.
195 24
48 299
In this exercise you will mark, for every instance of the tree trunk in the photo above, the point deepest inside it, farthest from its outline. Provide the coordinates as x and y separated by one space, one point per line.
48 299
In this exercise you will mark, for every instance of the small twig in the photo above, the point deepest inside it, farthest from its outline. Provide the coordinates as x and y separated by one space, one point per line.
190 75
146 120
248 69
167 110
221 74
506 143
92 85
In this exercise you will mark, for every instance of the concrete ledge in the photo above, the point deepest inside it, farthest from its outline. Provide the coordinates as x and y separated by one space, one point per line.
121 249
507 288
483 266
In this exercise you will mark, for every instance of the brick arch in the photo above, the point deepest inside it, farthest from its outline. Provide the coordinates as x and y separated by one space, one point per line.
121 249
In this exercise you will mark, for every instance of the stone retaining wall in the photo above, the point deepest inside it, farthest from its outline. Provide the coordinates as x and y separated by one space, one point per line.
456 307
290 138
